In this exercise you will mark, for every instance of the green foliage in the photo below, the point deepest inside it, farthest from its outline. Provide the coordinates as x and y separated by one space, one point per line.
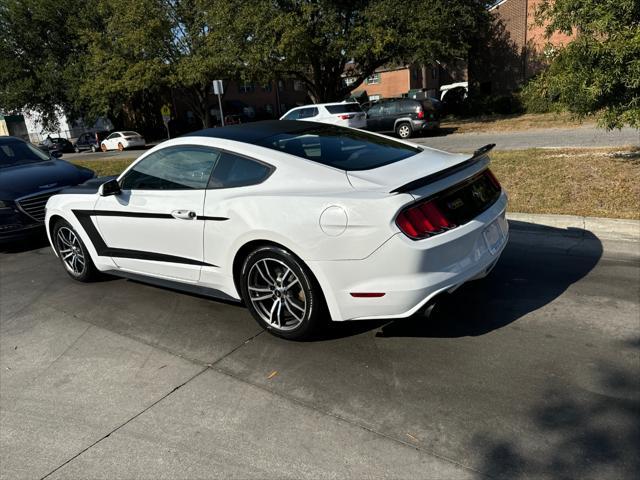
600 69
39 49
316 41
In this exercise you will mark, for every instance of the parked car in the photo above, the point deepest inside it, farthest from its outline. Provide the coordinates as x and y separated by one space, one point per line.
56 144
404 116
28 177
122 140
90 141
345 114
294 218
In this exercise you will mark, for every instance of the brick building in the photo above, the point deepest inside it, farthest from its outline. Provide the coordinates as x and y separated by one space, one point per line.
389 82
515 49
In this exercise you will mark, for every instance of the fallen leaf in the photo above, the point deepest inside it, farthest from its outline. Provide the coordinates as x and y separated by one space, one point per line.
272 374
412 437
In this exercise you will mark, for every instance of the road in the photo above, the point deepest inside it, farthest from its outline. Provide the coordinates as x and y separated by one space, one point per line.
586 136
530 373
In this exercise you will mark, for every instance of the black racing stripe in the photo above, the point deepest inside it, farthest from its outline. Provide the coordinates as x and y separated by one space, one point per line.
84 217
213 219
114 213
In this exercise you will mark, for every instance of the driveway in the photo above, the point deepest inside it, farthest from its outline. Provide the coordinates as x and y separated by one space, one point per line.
587 136
530 373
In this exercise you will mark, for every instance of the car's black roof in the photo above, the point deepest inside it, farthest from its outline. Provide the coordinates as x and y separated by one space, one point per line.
255 131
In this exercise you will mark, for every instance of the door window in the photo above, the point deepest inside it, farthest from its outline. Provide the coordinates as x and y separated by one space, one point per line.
236 171
375 111
173 168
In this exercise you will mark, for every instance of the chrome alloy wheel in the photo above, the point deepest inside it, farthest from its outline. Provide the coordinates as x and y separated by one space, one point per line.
277 294
70 251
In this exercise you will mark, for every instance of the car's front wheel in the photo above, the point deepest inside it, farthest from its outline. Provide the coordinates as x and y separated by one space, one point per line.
76 149
72 253
281 293
103 147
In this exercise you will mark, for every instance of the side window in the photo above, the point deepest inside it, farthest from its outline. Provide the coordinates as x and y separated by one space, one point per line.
236 171
408 106
375 111
390 108
173 168
293 115
308 112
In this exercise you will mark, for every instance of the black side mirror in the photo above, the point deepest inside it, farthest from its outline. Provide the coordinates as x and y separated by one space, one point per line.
56 154
112 187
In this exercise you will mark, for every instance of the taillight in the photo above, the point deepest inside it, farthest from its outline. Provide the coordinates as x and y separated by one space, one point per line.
420 114
345 117
422 220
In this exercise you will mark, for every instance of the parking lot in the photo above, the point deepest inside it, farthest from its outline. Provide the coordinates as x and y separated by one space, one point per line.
531 372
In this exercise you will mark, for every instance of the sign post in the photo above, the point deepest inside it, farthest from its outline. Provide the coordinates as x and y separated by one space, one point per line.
218 90
166 116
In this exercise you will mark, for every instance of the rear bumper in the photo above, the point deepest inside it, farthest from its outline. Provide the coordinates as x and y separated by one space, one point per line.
410 273
424 125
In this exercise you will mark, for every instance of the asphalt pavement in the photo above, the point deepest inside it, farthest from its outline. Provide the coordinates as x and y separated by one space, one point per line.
586 136
532 372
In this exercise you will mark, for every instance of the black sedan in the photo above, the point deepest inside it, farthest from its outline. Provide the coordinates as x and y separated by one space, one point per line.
56 144
28 177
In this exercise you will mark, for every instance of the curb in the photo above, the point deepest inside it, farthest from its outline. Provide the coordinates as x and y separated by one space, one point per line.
576 226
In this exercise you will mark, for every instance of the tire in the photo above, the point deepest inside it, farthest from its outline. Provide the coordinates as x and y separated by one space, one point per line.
281 293
76 149
120 147
72 253
404 130
93 149
103 147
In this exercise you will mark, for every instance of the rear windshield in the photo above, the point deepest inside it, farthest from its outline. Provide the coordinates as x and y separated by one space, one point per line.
341 148
16 152
130 134
344 108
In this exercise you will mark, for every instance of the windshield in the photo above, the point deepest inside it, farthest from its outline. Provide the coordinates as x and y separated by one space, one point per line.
346 149
16 152
130 134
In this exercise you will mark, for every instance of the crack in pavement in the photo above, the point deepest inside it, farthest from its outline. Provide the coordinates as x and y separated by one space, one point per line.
207 367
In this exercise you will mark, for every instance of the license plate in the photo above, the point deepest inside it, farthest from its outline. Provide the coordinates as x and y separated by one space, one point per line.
493 236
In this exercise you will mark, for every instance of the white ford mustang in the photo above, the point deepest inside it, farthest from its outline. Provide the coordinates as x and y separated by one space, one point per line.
302 221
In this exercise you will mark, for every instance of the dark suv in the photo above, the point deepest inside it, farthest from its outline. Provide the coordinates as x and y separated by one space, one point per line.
90 141
404 116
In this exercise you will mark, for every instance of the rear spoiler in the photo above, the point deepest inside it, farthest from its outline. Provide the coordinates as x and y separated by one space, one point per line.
434 177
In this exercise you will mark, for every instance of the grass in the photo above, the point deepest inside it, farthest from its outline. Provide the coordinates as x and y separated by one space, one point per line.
600 182
589 182
504 123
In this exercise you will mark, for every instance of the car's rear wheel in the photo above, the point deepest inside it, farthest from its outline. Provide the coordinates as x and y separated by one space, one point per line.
76 149
120 147
93 149
72 253
403 130
281 293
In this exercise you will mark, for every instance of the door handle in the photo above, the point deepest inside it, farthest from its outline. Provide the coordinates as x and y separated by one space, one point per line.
184 214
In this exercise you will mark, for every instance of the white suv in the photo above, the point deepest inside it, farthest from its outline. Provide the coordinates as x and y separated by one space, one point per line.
343 114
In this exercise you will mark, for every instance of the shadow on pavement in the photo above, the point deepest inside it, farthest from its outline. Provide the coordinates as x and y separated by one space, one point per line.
581 442
531 274
34 241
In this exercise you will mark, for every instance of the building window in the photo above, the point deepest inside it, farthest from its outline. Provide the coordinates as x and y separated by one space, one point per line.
434 73
266 87
373 79
247 88
349 80
298 86
374 98
281 85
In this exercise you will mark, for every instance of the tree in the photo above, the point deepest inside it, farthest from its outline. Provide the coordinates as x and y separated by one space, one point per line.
146 46
39 50
600 69
320 41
